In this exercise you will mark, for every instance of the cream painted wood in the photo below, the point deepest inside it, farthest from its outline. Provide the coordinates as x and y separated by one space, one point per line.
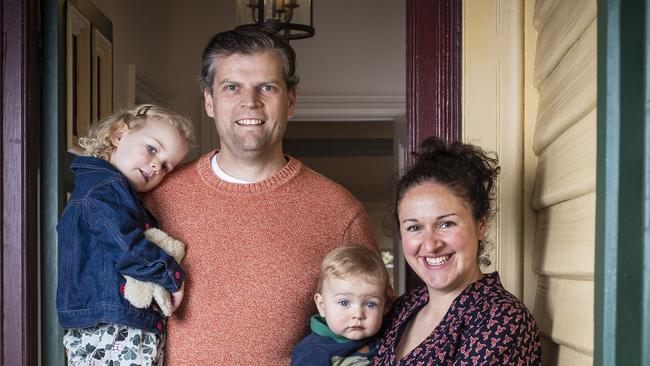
559 150
492 111
555 354
569 92
564 311
564 25
576 174
542 10
564 239
531 97
570 357
326 108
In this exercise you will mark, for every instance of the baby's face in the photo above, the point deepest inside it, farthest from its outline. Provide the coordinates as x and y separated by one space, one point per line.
147 154
353 306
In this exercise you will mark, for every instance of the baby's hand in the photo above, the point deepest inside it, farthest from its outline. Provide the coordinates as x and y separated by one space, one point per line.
177 297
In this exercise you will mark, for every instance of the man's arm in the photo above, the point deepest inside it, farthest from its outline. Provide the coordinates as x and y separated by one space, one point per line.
359 231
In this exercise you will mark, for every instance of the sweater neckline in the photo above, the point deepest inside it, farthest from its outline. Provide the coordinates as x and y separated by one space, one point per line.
204 169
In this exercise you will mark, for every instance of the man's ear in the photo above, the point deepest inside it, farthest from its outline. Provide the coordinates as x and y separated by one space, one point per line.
318 299
208 102
292 102
119 133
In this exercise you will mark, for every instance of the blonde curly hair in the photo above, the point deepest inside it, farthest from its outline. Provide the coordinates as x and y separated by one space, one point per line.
98 141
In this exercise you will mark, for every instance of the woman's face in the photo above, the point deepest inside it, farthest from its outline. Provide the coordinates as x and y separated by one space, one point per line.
440 237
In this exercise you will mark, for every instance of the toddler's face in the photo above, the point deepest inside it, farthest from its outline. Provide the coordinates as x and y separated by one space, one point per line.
353 306
145 155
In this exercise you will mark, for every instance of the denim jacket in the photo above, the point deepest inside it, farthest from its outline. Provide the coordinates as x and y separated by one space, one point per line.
101 238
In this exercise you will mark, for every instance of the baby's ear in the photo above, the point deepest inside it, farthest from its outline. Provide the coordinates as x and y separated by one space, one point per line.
119 133
318 299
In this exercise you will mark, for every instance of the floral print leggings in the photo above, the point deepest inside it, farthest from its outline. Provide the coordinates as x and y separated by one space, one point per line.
114 345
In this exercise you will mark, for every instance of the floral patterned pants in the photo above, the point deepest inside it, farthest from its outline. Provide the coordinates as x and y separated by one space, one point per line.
114 345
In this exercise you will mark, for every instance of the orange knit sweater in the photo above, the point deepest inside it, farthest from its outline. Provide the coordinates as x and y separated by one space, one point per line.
253 256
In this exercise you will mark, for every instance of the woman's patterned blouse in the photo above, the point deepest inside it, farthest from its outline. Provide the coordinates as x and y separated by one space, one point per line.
485 325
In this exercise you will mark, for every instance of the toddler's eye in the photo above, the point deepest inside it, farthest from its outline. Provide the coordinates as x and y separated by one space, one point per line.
371 304
344 303
151 149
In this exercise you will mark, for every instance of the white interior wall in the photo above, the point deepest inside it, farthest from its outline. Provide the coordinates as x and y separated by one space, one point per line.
358 49
191 26
141 31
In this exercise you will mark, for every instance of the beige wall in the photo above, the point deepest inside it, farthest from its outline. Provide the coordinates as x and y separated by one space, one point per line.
535 106
563 194
492 119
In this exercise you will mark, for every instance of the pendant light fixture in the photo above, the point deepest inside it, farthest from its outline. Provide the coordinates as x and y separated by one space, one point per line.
289 19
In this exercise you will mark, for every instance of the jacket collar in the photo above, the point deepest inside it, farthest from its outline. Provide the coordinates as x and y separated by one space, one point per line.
319 326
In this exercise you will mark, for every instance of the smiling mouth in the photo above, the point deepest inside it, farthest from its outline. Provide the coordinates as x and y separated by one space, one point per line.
249 122
144 175
437 261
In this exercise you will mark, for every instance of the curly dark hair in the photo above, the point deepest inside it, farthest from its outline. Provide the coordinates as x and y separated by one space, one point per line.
467 170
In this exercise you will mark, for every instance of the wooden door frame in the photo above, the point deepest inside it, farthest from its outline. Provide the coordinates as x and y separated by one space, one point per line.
433 77
19 192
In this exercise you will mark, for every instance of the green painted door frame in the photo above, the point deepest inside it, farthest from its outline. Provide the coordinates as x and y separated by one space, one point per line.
54 180
622 288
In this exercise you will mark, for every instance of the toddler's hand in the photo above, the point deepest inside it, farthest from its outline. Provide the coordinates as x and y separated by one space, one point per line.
177 297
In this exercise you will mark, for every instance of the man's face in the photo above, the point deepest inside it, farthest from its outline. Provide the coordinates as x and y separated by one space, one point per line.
250 104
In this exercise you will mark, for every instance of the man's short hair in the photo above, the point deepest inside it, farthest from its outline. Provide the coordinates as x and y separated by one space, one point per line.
247 41
354 260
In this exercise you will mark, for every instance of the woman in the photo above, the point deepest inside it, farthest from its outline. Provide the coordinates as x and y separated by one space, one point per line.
461 316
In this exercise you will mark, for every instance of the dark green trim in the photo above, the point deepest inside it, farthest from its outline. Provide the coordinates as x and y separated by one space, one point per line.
53 161
622 278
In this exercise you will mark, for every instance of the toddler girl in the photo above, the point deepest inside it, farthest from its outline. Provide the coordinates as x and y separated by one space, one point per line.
101 238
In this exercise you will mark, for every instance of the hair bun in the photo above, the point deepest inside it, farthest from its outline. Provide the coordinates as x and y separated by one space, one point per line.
430 148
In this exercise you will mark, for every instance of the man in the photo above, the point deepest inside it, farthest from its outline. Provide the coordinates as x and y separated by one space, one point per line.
256 223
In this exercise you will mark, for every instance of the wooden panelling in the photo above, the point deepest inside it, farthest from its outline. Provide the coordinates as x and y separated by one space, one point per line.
542 10
563 197
564 311
565 24
568 356
555 354
566 169
564 239
569 92
492 72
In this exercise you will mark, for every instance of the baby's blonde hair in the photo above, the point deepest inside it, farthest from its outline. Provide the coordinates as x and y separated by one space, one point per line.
98 141
354 260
